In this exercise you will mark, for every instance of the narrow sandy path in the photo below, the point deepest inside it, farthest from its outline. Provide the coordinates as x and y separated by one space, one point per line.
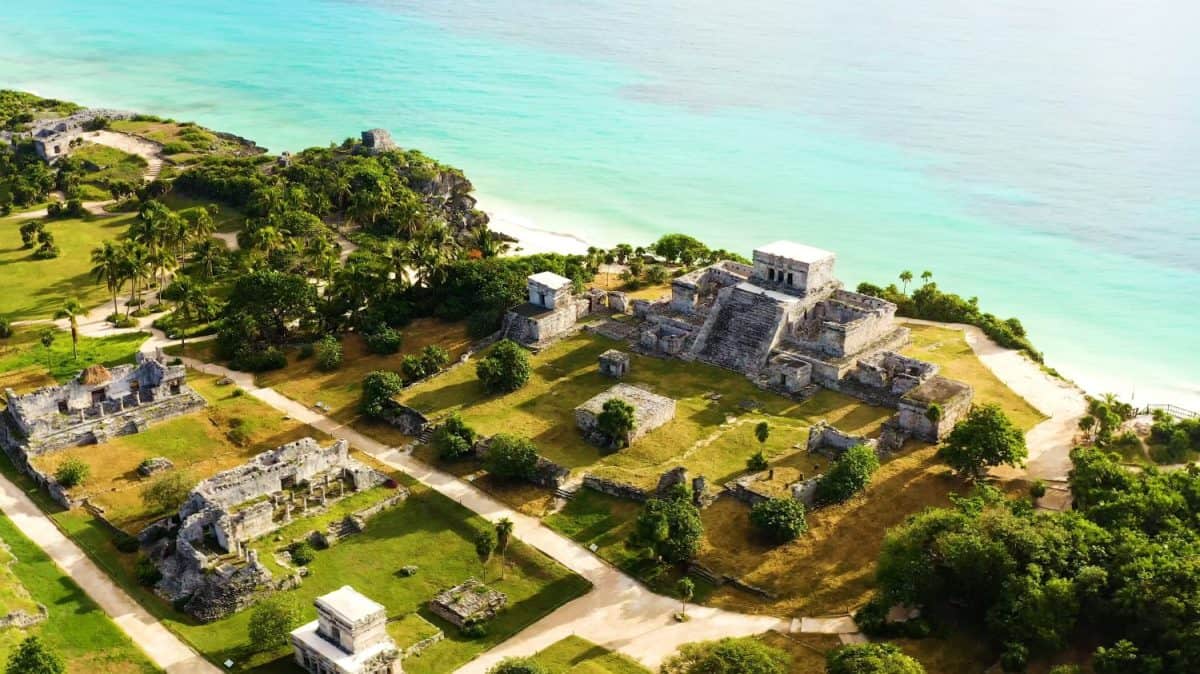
164 648
1051 441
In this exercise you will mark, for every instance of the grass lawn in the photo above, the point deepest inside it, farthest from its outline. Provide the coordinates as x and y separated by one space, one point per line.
23 359
580 656
710 437
112 164
340 390
76 627
428 530
948 348
37 288
193 141
227 219
199 444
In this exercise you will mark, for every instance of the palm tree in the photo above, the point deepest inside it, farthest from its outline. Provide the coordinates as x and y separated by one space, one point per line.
72 310
504 529
189 299
108 266
47 339
207 253
487 243
623 251
926 277
201 224
906 277
265 240
134 257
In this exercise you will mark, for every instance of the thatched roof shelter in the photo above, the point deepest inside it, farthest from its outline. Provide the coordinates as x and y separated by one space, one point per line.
94 375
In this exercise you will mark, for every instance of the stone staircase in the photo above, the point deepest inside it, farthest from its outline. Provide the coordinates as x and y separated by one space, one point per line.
347 526
740 331
426 435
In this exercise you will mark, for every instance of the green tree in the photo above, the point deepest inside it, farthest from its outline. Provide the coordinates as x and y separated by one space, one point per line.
906 277
926 277
669 529
33 656
272 620
870 658
505 369
985 438
192 302
728 656
434 358
762 431
504 530
779 519
686 588
453 439
378 387
518 666
46 337
329 353
616 421
757 462
72 310
511 457
73 472
167 493
849 475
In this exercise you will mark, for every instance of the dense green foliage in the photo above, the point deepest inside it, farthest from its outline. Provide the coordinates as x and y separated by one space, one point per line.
849 475
505 369
328 350
1178 436
616 421
272 620
1123 567
511 457
517 666
167 493
454 439
34 657
668 529
72 473
378 387
779 519
985 437
930 303
870 658
302 552
728 656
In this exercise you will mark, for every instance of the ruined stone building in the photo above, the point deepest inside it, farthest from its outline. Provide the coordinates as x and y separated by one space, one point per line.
349 636
468 604
650 411
204 558
787 323
98 404
53 139
550 312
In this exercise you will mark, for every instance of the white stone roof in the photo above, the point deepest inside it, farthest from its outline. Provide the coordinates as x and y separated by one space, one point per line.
794 251
349 604
345 662
550 280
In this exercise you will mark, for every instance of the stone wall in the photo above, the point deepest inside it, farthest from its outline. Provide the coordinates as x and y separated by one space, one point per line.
266 474
825 439
404 418
952 397
615 488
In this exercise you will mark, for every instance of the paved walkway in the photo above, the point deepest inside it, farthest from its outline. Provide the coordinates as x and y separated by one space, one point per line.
163 647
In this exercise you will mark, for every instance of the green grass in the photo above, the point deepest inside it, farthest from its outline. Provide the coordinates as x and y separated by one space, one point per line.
23 353
410 629
710 438
227 219
113 164
37 288
580 656
428 530
76 627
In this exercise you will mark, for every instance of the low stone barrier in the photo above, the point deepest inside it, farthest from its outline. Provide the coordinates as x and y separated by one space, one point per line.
617 489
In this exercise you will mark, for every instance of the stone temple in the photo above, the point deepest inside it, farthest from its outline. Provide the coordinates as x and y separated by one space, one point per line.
787 323
349 636
98 404
650 411
550 312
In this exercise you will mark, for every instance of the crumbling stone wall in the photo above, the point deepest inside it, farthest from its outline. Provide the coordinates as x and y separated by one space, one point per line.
825 439
650 411
404 418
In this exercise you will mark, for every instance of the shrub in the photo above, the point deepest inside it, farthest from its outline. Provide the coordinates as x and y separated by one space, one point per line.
72 473
271 621
33 656
727 656
270 358
176 147
848 476
167 493
511 457
302 552
434 358
517 666
147 573
474 631
757 463
31 232
5 328
505 369
329 353
870 658
1037 490
454 439
384 341
780 519
413 367
126 543
378 387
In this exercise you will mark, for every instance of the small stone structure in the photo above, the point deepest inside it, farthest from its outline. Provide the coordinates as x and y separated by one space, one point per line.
98 404
827 440
378 140
550 312
650 411
952 397
154 466
614 363
404 418
53 139
467 604
349 636
205 560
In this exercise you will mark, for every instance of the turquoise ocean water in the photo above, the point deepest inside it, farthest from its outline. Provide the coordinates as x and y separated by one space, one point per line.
1039 155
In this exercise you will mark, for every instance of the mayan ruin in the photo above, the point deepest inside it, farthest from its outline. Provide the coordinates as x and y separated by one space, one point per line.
349 636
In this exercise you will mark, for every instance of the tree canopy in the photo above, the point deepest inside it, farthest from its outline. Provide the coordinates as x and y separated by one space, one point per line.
728 656
505 369
870 658
668 528
985 438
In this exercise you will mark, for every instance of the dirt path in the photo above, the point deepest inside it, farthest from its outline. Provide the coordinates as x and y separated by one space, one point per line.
1050 442
164 648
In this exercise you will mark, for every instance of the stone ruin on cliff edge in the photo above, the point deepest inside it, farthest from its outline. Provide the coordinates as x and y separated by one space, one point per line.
98 404
787 323
203 553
